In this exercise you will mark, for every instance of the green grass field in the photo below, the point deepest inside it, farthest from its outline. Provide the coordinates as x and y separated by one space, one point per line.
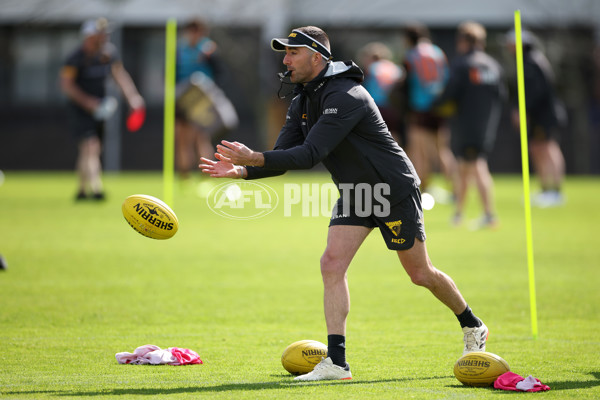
82 286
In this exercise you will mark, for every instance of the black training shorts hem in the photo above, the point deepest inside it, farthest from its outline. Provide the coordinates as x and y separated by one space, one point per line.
399 228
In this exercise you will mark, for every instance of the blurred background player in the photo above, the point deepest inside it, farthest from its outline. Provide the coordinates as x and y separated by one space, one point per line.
476 88
426 76
545 118
82 79
195 53
382 79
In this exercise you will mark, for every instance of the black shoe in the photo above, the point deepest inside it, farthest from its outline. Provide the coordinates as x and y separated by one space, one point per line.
81 196
99 196
3 265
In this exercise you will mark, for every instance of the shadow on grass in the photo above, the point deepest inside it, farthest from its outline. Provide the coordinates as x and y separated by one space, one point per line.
289 384
568 385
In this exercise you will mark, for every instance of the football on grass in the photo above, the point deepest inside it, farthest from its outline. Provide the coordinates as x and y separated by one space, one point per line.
150 216
479 368
301 357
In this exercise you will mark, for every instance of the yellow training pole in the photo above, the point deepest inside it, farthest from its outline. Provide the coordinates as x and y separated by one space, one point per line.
525 164
169 112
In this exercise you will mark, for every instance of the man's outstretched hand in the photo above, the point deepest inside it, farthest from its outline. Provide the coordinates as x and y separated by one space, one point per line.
238 154
219 169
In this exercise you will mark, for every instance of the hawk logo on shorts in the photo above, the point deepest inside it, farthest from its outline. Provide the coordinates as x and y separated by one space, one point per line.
395 227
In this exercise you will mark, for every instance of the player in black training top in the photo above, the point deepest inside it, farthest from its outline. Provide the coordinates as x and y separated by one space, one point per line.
332 119
546 117
83 78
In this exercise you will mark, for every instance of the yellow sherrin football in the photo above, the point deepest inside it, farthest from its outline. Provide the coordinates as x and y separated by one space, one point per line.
302 356
480 368
150 216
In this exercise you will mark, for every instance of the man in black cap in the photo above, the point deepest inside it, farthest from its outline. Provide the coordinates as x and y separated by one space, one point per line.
332 119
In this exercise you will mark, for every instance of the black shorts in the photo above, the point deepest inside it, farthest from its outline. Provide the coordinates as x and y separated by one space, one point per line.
426 119
470 152
399 229
83 125
538 132
392 119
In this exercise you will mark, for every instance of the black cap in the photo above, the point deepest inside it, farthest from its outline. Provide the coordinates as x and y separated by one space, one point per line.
300 39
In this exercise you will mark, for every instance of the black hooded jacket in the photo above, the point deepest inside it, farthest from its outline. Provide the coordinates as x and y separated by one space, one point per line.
334 120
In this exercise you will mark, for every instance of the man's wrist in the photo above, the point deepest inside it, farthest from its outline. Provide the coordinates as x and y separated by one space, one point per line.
258 159
241 171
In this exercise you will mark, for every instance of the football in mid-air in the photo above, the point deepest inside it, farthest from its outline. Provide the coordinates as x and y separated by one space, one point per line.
301 357
150 216
479 368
